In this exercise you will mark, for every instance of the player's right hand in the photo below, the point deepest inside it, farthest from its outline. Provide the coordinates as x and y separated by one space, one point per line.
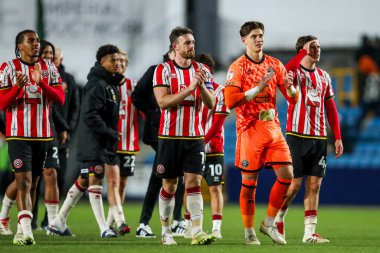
21 79
307 46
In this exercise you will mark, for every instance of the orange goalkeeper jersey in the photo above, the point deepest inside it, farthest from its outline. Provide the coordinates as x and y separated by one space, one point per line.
246 74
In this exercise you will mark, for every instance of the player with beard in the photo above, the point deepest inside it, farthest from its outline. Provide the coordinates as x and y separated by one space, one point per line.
180 87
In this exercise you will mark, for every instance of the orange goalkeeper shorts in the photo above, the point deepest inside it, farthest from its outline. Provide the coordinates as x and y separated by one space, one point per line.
262 143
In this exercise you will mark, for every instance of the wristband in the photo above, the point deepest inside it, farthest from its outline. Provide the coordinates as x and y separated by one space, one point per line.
250 94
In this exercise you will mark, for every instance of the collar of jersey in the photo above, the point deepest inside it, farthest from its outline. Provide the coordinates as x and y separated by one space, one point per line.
255 62
175 64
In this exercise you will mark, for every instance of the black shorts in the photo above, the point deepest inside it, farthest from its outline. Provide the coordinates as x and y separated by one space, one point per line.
92 168
214 170
178 156
52 160
126 164
110 158
308 155
27 155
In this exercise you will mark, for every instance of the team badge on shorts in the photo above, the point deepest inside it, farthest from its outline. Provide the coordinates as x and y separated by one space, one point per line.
244 163
98 169
160 169
17 163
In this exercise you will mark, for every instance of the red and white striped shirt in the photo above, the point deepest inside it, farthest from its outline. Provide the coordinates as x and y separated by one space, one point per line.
307 117
183 120
128 120
216 143
27 118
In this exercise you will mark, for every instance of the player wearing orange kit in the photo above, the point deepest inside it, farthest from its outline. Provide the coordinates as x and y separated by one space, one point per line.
251 85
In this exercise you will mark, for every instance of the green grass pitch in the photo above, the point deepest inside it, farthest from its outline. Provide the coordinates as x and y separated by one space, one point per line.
350 229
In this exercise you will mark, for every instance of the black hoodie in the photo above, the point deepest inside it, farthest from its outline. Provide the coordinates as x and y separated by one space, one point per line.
97 130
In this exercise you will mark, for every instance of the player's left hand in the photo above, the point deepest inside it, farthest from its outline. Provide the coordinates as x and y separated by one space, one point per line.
338 148
288 80
36 73
200 75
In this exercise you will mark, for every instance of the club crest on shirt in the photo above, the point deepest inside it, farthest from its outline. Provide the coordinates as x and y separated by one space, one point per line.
173 75
45 73
270 70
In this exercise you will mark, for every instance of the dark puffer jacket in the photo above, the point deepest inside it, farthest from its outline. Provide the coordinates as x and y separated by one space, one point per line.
97 130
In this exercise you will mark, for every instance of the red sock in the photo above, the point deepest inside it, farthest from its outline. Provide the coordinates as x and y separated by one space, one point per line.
216 217
187 215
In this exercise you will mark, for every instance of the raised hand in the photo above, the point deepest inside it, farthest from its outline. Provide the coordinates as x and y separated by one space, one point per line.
36 73
202 77
21 79
288 80
198 79
307 46
264 82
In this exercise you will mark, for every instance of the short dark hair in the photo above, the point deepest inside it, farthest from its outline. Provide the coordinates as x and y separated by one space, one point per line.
177 32
106 50
301 41
165 57
45 43
206 59
20 39
247 27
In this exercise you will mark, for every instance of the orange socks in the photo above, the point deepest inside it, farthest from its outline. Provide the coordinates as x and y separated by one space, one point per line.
247 202
277 196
